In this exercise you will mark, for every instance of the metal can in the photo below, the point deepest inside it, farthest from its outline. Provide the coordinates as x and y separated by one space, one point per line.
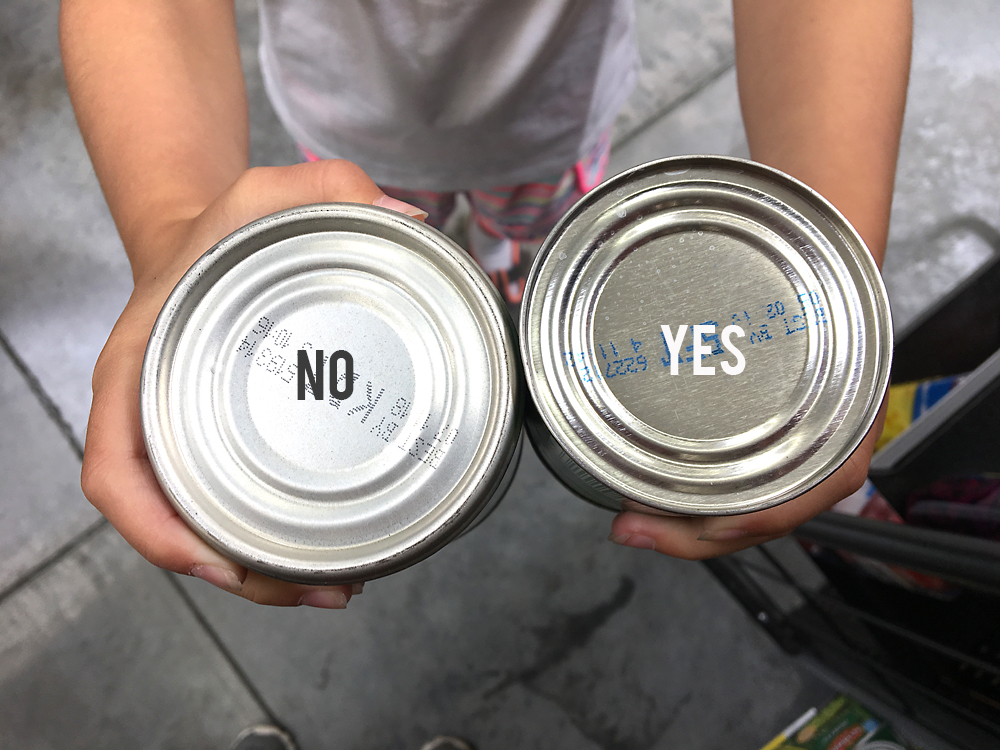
333 393
702 336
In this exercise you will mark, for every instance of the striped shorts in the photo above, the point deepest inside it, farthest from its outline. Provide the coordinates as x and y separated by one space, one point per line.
523 213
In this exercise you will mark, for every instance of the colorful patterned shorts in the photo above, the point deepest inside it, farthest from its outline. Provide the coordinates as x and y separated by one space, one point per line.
504 218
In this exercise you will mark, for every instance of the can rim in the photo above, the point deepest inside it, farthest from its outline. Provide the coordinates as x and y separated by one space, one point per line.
498 444
530 325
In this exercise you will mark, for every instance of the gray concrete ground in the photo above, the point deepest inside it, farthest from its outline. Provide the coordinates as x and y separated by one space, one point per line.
531 632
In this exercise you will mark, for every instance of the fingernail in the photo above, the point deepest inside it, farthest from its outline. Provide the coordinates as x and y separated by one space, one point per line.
357 588
218 576
387 201
324 599
633 540
721 535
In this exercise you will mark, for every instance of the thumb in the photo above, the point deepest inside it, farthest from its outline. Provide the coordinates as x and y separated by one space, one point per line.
264 190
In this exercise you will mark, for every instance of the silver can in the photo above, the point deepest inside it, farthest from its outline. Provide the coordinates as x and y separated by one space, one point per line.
702 336
332 393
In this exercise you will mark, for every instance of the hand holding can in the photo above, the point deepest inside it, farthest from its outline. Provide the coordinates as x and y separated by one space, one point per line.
705 337
332 393
117 476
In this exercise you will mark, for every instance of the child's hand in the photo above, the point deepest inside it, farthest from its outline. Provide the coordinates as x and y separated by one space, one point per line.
117 476
700 538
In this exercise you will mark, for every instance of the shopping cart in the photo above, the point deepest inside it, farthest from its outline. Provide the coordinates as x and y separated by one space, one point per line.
929 655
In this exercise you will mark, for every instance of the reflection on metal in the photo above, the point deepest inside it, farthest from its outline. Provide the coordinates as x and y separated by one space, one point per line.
713 242
333 489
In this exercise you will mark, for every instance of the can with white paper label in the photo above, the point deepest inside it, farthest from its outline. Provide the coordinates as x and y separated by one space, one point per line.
702 335
333 393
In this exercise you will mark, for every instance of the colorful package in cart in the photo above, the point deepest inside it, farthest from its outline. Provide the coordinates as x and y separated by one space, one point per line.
844 724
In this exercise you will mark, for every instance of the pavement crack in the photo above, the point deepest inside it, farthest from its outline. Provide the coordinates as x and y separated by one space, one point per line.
568 633
223 649
52 560
34 384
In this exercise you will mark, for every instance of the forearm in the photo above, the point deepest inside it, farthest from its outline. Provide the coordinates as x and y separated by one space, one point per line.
822 88
158 92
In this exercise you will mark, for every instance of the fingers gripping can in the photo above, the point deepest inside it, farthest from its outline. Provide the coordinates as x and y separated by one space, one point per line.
332 393
702 335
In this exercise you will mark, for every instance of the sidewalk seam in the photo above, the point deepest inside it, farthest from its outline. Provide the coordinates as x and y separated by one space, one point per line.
52 560
230 659
55 414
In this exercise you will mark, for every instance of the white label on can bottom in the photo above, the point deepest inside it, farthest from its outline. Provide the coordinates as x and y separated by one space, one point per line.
329 434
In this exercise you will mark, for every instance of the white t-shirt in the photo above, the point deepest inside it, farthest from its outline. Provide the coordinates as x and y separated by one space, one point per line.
449 94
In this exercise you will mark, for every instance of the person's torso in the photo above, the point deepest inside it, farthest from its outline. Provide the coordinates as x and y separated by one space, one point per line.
448 93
